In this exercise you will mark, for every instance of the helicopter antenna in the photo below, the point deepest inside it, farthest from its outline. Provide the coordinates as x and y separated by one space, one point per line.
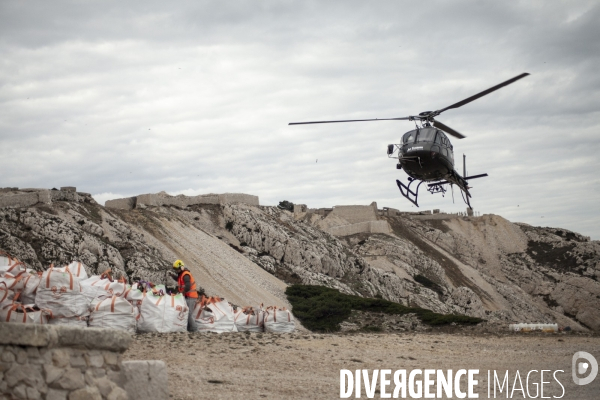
464 165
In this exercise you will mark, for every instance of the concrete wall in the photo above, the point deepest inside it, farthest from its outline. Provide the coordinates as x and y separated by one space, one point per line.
127 203
321 211
389 212
360 227
18 198
230 198
300 208
146 200
205 199
182 201
68 362
355 214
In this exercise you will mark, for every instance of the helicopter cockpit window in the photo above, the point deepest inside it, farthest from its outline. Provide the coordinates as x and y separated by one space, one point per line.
443 139
426 135
408 137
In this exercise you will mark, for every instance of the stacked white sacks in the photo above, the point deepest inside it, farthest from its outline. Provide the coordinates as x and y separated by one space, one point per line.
533 327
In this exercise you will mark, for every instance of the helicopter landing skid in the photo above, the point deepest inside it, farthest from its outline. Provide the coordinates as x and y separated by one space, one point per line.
407 193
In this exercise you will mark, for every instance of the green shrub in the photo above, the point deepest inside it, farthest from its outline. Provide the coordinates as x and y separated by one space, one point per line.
286 205
322 309
371 328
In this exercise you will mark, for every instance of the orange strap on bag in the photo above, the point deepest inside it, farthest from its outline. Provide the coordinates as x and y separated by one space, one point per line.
51 269
23 308
107 275
112 303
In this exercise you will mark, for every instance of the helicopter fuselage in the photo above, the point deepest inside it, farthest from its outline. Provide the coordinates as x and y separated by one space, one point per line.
426 154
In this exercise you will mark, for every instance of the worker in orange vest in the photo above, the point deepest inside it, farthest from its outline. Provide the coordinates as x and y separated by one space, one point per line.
186 285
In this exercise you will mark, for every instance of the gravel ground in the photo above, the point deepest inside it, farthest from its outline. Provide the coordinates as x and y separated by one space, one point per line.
307 366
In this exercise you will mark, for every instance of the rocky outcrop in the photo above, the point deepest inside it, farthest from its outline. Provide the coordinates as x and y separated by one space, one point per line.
484 266
41 236
139 244
547 273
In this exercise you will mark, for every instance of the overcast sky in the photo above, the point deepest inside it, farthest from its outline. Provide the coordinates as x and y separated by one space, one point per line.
123 98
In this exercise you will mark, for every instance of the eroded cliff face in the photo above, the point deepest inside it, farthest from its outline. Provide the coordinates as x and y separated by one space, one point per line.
483 266
84 231
547 273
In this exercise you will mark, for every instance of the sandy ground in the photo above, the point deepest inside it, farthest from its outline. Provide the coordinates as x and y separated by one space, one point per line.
307 366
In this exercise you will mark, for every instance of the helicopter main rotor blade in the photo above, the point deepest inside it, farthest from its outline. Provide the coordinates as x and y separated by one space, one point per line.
448 130
481 94
348 120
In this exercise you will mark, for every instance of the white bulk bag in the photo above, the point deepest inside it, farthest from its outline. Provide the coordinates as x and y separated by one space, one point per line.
96 286
14 281
25 314
61 293
279 320
30 284
133 293
249 319
7 295
166 313
115 313
214 314
81 321
118 288
77 268
9 264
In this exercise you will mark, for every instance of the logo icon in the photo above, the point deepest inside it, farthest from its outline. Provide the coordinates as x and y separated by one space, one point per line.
580 367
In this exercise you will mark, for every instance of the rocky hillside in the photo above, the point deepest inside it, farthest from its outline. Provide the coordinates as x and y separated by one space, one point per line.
137 244
482 266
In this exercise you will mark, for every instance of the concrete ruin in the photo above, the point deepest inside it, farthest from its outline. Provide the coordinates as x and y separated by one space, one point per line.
360 227
350 220
346 220
61 361
181 201
12 197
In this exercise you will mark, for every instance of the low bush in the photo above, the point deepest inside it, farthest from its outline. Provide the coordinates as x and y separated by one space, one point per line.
286 205
322 309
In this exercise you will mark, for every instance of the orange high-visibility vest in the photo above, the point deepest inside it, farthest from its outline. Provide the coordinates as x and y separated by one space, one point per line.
180 282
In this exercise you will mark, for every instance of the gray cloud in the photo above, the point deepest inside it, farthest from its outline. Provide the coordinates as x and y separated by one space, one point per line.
120 99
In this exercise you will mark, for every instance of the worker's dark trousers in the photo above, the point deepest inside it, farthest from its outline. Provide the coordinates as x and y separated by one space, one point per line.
191 303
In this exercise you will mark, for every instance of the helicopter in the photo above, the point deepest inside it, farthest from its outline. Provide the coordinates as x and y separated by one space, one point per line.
426 153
